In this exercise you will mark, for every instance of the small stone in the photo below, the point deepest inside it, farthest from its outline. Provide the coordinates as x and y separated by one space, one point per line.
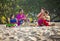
33 32
44 40
33 38
7 34
1 37
7 39
11 37
16 37
21 39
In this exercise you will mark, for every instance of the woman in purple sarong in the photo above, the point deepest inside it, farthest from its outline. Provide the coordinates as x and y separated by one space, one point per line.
20 17
41 17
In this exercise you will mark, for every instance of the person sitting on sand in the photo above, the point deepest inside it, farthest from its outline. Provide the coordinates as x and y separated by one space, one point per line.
20 17
47 16
40 17
47 19
13 20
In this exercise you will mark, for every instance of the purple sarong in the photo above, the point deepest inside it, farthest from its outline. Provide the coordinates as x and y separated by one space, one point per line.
20 17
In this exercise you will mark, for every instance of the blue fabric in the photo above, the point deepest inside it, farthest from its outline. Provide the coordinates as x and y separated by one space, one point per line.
21 21
13 20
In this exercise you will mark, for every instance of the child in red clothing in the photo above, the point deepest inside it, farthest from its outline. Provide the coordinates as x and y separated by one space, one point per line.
46 20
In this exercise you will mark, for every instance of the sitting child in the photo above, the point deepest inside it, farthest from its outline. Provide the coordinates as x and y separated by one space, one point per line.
47 16
46 20
13 20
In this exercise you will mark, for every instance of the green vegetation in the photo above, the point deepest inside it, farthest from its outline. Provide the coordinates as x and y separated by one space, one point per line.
31 7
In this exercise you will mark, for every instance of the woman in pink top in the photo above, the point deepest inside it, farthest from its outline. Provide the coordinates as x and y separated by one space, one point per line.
20 17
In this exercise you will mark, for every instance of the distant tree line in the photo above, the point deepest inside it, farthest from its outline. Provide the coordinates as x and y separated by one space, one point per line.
31 7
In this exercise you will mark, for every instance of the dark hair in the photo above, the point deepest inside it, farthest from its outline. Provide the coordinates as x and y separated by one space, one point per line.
11 16
46 12
20 10
43 8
